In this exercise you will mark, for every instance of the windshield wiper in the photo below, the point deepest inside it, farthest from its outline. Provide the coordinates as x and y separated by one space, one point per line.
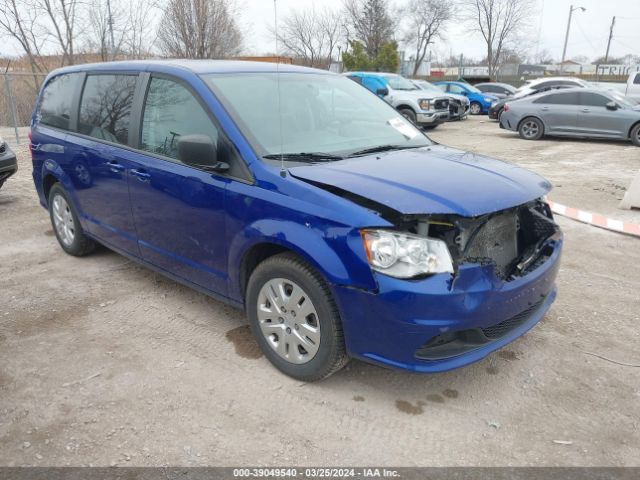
383 148
304 156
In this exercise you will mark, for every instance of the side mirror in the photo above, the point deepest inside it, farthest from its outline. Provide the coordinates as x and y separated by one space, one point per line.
199 151
612 106
382 92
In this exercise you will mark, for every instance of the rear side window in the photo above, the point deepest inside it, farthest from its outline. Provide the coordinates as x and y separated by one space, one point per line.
593 100
637 79
568 98
55 105
105 108
172 111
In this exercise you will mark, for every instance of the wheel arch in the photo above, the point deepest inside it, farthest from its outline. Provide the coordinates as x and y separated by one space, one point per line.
631 128
544 125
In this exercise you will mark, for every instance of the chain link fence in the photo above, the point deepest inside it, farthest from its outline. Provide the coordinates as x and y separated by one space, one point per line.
18 96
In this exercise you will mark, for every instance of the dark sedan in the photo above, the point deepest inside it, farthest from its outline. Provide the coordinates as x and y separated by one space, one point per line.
8 163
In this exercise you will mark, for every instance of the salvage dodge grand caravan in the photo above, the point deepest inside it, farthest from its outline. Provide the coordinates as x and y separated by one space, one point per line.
301 197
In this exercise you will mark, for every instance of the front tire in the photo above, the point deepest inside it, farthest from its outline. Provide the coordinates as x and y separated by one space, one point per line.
294 319
409 115
66 225
475 108
531 128
635 135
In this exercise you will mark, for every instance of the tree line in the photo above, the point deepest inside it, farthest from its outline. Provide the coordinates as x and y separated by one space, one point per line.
365 34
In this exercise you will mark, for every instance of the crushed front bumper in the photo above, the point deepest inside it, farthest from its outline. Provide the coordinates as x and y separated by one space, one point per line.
432 118
392 327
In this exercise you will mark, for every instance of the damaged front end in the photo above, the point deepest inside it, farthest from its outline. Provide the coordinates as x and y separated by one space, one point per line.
514 241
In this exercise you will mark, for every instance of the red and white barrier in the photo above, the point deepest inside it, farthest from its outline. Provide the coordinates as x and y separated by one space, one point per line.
595 219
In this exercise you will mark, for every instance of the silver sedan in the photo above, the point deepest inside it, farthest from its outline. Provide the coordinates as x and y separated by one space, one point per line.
575 112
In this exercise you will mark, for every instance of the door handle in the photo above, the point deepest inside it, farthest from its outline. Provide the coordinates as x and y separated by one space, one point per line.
545 109
585 110
35 147
141 174
114 166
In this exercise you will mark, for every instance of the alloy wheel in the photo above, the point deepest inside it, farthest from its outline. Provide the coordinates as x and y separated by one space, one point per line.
530 129
475 108
63 220
288 320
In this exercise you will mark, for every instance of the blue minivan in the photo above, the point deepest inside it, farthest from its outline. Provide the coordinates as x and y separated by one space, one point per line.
304 199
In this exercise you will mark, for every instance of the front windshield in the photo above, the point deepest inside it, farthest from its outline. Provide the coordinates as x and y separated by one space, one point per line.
320 113
397 82
429 87
472 88
623 100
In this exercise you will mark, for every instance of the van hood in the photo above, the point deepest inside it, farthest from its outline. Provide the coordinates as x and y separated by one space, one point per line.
430 180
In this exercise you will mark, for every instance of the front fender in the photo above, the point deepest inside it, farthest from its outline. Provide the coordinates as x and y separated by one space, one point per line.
334 251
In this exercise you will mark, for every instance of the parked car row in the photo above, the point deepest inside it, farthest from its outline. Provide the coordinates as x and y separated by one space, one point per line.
569 107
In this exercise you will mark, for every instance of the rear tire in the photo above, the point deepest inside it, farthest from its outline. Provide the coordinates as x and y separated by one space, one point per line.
635 135
307 345
66 225
531 128
409 115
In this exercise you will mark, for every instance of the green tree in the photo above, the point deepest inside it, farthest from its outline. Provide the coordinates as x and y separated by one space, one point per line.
387 59
357 58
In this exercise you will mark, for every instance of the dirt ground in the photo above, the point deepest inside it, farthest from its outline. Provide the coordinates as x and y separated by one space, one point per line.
103 362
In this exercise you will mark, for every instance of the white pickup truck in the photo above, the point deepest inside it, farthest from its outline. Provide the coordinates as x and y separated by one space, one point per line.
633 86
631 89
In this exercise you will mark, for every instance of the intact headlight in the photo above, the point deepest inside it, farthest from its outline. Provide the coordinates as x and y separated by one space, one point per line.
425 104
404 255
488 100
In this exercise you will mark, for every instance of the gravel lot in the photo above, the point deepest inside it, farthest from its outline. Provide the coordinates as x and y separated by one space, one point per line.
103 362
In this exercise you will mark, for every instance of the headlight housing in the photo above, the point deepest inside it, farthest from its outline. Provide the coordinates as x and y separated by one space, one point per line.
424 104
405 255
489 100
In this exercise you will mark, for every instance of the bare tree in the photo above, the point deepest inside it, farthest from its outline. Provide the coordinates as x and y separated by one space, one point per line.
427 20
21 24
141 35
59 19
370 23
99 38
499 22
200 29
311 35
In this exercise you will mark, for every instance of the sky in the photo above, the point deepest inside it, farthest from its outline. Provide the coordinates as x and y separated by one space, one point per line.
588 36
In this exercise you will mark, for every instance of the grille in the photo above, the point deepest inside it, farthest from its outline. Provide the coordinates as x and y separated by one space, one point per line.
441 104
501 329
496 240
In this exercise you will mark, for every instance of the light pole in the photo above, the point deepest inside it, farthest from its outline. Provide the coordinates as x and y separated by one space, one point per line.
566 37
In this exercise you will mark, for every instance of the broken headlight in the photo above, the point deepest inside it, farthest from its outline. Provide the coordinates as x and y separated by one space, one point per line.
404 255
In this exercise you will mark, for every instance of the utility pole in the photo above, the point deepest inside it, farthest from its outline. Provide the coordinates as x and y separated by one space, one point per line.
606 55
112 48
566 37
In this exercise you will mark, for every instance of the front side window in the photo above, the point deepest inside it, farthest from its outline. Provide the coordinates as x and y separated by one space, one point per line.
105 108
170 112
311 113
55 105
593 100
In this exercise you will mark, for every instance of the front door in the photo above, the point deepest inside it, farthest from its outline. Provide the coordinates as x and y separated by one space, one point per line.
594 118
179 211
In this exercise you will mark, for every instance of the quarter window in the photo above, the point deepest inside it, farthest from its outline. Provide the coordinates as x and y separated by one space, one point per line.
105 108
172 111
55 106
637 79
